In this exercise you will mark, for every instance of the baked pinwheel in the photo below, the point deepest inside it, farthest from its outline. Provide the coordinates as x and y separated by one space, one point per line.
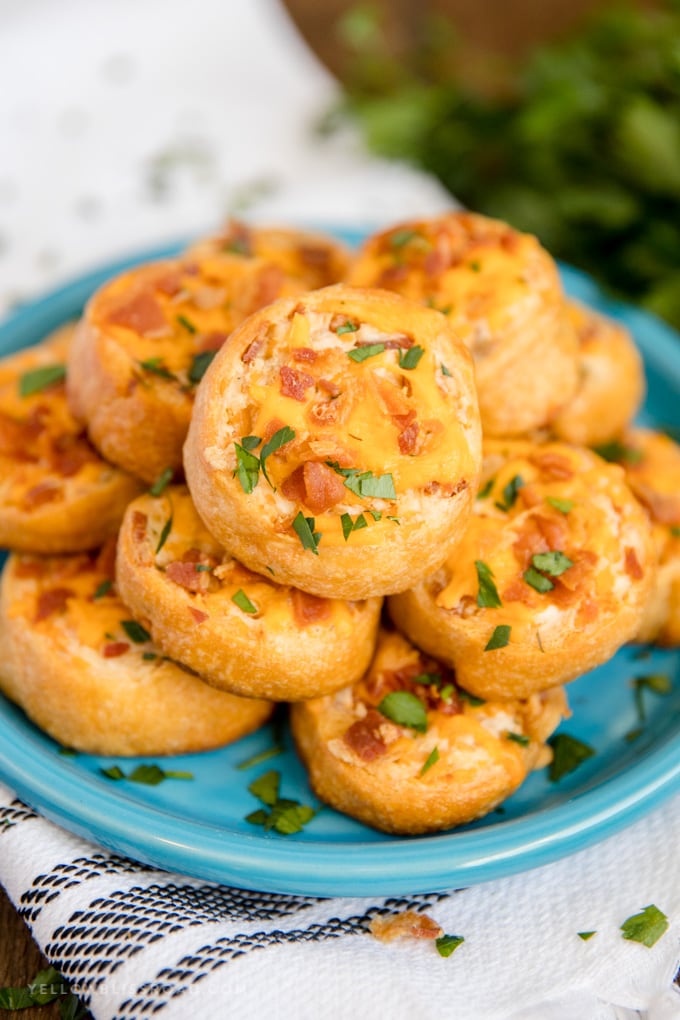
335 442
408 751
550 579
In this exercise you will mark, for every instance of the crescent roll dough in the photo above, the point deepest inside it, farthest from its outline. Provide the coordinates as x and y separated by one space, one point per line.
611 383
551 578
301 260
501 293
241 631
456 761
145 340
87 674
336 442
56 493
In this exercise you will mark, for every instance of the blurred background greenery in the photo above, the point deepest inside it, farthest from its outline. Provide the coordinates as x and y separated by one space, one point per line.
563 119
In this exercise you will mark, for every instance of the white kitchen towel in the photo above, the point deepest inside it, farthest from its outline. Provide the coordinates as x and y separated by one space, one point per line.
134 941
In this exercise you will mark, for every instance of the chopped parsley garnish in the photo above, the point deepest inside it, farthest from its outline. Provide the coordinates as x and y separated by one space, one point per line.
475 266
405 709
349 525
401 237
432 759
162 482
552 563
103 589
365 484
247 465
138 635
500 637
428 679
619 453
444 369
485 491
538 581
163 537
187 323
200 365
46 986
149 775
250 442
445 693
243 602
279 439
347 327
487 595
563 505
149 656
203 568
284 816
237 246
646 927
510 492
409 358
359 354
68 752
156 367
675 531
471 699
261 756
657 683
304 529
40 378
448 944
518 738
585 935
568 754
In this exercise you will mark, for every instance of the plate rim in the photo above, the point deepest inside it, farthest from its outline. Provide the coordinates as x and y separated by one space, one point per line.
79 801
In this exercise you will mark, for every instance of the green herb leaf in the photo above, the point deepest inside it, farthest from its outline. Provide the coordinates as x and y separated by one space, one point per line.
199 366
510 492
487 594
568 754
113 772
156 367
646 927
553 563
563 505
250 442
500 637
266 787
585 935
103 589
261 756
304 529
289 816
149 656
675 531
518 738
471 699
405 709
347 327
243 602
152 775
485 491
67 752
162 482
447 944
279 439
187 323
401 237
432 759
657 683
40 378
349 525
538 581
444 369
619 453
409 358
134 630
376 486
247 467
163 537
15 998
258 817
359 354
475 266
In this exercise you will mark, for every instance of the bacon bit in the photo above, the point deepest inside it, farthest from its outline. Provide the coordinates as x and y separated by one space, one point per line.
308 608
582 564
588 612
407 925
314 484
211 342
408 439
52 601
271 428
192 555
439 257
39 495
304 354
28 568
327 412
139 523
198 614
530 497
328 386
71 453
664 507
238 234
363 736
184 573
255 346
170 283
632 564
540 534
105 559
294 383
392 275
553 466
142 314
555 530
315 256
518 591
114 649
448 490
268 286
391 397
509 241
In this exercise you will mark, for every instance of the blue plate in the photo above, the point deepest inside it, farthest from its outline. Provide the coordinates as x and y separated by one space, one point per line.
198 827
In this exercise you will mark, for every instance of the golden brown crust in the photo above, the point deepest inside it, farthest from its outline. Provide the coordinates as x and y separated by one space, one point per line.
383 439
272 642
501 293
611 383
572 564
56 493
390 776
144 340
304 259
75 671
